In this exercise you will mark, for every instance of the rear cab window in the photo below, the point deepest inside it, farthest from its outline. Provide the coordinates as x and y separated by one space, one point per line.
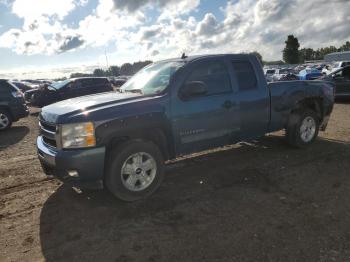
245 75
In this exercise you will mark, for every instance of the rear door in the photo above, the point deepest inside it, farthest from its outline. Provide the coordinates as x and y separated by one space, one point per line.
81 87
253 97
209 120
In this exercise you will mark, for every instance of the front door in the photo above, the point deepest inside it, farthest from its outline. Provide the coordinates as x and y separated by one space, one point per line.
207 120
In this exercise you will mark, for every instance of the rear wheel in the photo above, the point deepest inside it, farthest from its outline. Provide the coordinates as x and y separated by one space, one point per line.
303 128
135 170
5 119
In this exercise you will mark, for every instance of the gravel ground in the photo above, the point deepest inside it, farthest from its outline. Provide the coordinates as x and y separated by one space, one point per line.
260 201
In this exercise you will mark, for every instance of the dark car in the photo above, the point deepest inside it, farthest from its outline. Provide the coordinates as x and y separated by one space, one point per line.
50 93
341 80
172 108
12 104
21 86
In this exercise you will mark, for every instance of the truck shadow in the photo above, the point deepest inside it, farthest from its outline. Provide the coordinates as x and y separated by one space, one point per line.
236 203
12 136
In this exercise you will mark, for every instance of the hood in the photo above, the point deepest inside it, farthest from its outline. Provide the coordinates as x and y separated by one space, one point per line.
86 104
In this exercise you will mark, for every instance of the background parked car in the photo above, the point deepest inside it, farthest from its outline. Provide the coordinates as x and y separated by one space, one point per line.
341 80
269 72
12 104
309 74
281 72
334 67
289 77
23 86
119 80
75 87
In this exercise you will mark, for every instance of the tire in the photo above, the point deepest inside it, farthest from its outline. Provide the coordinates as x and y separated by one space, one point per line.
145 163
302 128
5 120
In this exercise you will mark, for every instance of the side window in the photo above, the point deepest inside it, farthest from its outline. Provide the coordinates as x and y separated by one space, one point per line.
101 82
214 75
245 74
87 83
77 84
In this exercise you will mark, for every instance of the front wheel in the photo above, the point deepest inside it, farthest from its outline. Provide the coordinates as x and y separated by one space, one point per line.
302 128
135 170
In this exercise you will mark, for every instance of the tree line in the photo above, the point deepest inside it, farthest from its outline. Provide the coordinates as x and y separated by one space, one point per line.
293 55
126 69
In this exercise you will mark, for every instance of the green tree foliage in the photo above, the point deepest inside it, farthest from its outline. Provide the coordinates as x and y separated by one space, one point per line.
291 51
306 54
75 75
126 69
99 72
113 71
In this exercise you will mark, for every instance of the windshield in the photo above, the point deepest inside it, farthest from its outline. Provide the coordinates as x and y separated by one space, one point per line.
60 84
153 79
270 71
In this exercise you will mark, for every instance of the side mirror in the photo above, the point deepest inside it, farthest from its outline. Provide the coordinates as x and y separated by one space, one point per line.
193 89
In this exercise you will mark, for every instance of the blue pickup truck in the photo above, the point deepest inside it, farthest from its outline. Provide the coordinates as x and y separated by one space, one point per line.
175 107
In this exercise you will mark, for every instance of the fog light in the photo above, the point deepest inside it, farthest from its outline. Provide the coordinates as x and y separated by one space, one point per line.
73 173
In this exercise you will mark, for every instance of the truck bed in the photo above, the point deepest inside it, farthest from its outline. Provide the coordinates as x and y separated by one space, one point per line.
285 94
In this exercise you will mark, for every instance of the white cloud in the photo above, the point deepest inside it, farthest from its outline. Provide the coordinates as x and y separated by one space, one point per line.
248 25
30 10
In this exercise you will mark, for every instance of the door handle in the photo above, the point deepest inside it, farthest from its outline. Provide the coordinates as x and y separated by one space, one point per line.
227 104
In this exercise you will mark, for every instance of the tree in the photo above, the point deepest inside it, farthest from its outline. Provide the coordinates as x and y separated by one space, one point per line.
259 56
345 47
291 51
126 69
98 72
306 54
75 75
113 71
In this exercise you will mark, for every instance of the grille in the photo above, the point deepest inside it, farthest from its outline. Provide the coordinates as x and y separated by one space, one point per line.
48 126
48 131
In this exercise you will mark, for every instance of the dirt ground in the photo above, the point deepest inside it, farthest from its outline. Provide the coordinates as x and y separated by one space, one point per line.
260 201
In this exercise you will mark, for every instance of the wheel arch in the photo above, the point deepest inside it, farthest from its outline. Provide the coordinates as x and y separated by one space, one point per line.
7 109
312 103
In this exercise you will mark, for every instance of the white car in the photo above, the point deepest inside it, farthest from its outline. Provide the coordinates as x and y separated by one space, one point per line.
269 72
281 72
334 67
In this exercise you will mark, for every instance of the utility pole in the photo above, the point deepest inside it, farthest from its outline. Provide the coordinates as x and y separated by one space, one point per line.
106 59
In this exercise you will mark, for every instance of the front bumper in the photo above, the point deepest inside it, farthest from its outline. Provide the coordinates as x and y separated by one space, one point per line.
87 164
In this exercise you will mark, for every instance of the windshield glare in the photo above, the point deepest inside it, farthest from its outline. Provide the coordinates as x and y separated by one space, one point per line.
60 84
153 79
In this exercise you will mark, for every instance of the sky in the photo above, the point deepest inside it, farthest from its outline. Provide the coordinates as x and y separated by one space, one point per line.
53 38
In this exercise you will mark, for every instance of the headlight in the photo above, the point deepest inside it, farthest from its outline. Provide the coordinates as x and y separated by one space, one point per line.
78 135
